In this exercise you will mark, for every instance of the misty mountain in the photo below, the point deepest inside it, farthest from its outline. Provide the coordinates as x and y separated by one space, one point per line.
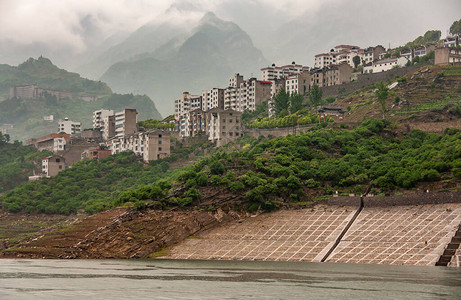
213 51
45 74
146 39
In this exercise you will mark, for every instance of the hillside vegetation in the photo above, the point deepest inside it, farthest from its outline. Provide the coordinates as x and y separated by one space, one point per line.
26 115
17 163
302 168
431 94
91 185
45 74
263 174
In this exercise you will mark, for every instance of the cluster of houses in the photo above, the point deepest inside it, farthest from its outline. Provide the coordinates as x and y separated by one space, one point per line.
111 133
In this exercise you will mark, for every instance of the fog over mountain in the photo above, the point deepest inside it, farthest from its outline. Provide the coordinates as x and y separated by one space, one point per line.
96 38
204 58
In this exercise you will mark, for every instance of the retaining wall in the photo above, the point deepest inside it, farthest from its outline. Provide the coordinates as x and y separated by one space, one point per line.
277 132
366 79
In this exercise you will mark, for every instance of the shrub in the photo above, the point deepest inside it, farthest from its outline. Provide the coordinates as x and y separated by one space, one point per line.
293 182
216 180
236 186
201 179
430 175
193 193
217 168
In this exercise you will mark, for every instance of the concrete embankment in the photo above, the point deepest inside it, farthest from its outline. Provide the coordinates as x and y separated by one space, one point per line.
404 230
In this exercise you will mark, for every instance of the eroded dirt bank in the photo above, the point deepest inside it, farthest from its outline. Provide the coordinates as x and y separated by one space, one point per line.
120 233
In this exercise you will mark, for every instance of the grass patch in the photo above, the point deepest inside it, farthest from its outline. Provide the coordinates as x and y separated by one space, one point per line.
302 203
12 249
17 239
163 252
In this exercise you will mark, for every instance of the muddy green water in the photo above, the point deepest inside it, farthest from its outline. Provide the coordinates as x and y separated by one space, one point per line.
167 279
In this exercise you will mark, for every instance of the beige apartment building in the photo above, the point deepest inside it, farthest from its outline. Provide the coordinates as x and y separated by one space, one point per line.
197 122
223 126
126 122
448 56
53 142
31 91
149 145
298 83
331 75
52 165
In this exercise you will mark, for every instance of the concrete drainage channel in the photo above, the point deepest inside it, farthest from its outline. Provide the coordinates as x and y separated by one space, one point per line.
340 237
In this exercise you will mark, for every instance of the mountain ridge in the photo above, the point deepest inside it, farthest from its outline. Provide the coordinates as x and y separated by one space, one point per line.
213 51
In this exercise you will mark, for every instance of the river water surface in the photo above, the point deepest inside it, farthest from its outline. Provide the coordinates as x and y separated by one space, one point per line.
176 279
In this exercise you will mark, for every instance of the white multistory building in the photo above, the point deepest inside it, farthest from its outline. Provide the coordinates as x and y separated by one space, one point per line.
99 116
280 72
183 106
213 98
231 93
346 53
69 126
126 122
386 64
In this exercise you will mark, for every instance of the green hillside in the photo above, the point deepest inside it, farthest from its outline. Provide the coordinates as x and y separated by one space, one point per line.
292 170
27 114
430 94
46 75
17 163
92 185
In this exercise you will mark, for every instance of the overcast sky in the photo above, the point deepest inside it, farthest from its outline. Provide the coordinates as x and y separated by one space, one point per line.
69 22
74 26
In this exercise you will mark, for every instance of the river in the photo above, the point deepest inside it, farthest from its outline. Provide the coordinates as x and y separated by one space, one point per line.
180 279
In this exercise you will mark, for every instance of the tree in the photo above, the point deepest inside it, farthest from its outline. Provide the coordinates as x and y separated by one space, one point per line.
281 101
455 27
296 103
356 61
382 94
315 95
431 36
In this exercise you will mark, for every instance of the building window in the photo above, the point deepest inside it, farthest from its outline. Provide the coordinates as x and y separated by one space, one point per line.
58 160
159 142
60 167
159 148
159 135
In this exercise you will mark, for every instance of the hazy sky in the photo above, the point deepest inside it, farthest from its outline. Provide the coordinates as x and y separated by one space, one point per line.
62 23
53 27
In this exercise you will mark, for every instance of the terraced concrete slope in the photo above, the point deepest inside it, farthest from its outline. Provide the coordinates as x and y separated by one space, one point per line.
403 235
399 235
300 235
